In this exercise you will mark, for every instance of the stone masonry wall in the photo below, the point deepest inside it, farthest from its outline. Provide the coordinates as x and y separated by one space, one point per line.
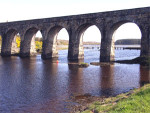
107 22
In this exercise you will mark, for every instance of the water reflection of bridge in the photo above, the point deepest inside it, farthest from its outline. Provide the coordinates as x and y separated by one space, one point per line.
92 47
121 47
130 47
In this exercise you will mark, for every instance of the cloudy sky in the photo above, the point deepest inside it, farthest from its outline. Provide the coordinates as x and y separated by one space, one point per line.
14 10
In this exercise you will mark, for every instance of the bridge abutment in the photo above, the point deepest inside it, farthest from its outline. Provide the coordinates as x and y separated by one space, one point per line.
49 50
5 50
24 50
9 45
107 46
145 42
105 52
27 48
75 51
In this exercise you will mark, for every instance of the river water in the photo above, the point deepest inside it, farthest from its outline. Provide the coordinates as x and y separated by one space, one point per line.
33 85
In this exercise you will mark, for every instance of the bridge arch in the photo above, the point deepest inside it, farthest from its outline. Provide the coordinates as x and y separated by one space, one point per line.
112 35
50 44
9 44
0 41
28 42
79 37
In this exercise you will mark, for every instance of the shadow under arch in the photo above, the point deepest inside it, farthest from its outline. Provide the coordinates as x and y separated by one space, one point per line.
79 37
50 44
111 36
9 44
28 42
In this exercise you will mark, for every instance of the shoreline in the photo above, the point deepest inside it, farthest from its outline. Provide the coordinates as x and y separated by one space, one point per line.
144 61
88 104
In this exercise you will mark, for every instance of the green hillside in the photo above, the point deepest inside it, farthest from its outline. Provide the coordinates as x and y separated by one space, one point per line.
128 42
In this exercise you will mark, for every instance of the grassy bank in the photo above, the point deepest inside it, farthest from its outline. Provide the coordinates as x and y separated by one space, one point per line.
145 61
135 101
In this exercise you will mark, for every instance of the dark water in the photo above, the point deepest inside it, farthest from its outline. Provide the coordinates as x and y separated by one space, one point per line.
37 86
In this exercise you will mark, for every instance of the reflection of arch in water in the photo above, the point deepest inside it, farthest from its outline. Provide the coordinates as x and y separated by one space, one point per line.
75 79
48 78
107 80
144 75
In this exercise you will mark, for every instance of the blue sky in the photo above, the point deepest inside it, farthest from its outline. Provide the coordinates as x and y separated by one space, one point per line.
14 10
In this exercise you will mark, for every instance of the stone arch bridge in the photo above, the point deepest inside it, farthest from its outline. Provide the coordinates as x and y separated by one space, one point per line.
106 22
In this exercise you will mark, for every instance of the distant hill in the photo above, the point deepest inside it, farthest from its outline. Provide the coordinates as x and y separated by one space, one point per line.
128 42
66 42
91 43
38 39
62 42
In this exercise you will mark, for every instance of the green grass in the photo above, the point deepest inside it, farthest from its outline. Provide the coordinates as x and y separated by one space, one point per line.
83 64
136 102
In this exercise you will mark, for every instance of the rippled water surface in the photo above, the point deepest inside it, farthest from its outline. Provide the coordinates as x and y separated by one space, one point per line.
33 85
